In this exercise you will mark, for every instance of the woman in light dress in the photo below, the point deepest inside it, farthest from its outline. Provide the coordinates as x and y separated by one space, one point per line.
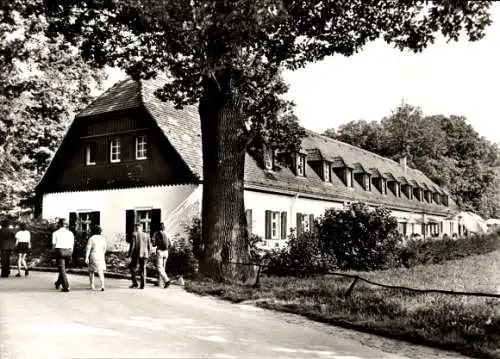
23 245
96 249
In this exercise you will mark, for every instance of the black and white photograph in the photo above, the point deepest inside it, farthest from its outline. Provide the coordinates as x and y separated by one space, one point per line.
249 179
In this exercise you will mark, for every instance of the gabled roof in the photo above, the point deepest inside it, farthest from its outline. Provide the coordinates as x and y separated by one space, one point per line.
181 127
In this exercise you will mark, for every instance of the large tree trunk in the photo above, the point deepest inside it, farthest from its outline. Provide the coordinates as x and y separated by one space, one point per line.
224 233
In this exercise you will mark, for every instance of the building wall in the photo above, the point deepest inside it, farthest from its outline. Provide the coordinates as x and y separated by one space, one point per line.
180 203
112 205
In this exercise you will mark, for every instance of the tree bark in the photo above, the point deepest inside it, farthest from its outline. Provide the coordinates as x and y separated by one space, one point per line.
224 233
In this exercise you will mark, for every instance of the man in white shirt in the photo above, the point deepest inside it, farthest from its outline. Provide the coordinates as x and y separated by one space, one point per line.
63 241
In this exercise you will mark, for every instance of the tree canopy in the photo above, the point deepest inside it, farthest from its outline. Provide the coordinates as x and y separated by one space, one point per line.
226 55
42 83
447 149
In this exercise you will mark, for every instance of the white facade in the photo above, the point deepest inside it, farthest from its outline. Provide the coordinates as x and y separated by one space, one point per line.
180 203
112 204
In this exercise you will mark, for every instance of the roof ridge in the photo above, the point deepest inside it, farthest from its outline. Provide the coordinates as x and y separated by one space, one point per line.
103 93
364 150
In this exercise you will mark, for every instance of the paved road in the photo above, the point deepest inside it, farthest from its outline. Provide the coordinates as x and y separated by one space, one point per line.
36 321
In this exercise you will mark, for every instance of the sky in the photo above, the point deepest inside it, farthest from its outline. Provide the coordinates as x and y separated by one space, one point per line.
455 78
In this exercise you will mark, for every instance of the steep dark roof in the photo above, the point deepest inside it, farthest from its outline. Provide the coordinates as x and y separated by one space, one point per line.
182 129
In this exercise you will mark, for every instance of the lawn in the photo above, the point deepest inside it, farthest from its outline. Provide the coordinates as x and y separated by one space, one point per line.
470 325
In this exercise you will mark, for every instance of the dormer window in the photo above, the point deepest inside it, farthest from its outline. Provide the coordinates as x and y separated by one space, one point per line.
348 177
407 190
327 172
435 198
300 166
367 183
383 185
444 199
395 187
268 158
418 194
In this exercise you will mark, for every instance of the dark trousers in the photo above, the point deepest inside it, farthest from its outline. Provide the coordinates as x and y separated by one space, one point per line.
5 260
62 257
142 270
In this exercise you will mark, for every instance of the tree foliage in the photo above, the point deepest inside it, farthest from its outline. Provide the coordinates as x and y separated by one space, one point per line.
42 83
447 149
227 55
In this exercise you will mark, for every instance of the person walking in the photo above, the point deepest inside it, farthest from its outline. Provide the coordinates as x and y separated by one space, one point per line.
95 256
63 241
7 244
23 245
139 251
162 244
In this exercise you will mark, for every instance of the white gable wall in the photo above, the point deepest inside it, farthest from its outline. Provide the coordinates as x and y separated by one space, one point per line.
112 205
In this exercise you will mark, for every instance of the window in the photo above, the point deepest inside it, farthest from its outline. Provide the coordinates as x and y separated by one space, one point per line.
268 158
143 217
348 177
84 223
114 150
90 151
327 172
367 184
402 228
148 218
301 165
141 148
274 225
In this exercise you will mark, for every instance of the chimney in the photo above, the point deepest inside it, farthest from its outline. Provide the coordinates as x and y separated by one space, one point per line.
402 162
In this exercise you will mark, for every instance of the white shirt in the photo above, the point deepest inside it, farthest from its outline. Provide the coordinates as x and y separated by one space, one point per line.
63 238
23 237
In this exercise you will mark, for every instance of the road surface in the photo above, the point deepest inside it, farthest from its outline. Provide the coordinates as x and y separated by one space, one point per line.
37 321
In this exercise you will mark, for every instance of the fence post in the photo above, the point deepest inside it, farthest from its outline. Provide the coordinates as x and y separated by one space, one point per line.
257 280
351 287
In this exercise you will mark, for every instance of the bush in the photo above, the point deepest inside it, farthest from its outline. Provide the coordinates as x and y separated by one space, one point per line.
360 238
302 257
436 251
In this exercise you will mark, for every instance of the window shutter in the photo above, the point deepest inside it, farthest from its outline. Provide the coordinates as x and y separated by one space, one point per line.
268 224
72 221
155 220
300 227
283 225
129 224
95 218
248 214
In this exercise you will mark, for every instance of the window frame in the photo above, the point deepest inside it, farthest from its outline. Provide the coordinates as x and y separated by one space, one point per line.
118 153
145 222
144 148
327 171
81 222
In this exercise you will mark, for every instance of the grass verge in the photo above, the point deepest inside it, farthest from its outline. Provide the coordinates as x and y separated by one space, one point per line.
469 325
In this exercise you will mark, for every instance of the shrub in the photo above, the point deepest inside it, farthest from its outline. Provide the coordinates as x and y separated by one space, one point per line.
437 251
360 238
302 257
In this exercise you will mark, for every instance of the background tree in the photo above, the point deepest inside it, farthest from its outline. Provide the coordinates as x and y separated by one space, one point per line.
446 149
42 84
224 54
